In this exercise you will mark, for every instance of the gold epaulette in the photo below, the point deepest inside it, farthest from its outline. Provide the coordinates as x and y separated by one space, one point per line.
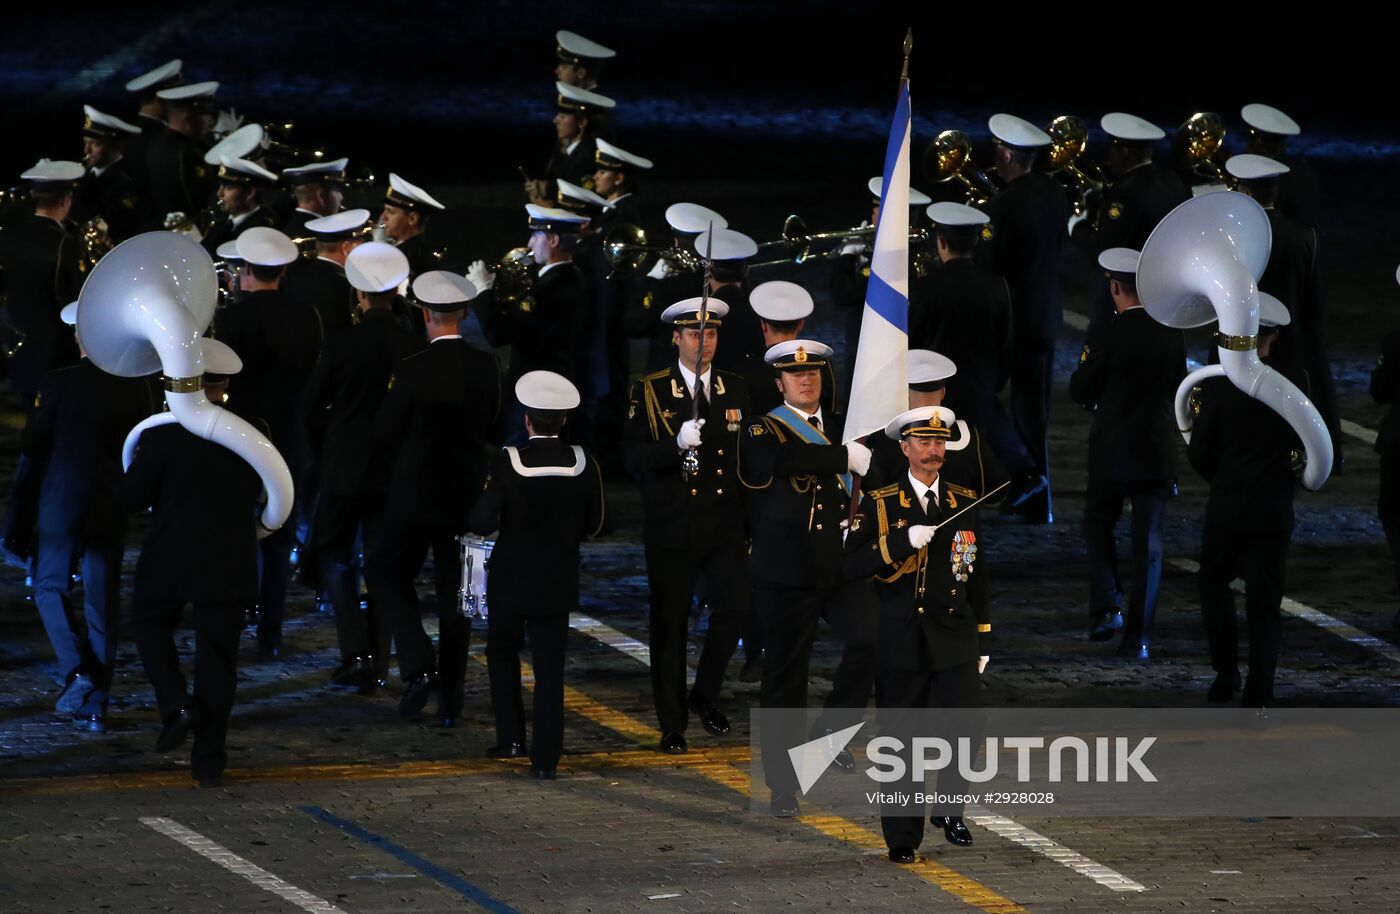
657 375
884 491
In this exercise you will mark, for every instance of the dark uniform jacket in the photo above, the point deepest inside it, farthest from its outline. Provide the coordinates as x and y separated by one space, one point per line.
224 230
1299 196
963 310
343 395
1385 388
295 224
74 448
443 412
1128 374
645 300
1026 233
544 337
796 500
576 167
278 341
116 197
929 619
1245 451
202 545
137 146
740 335
421 257
40 271
321 284
1131 208
1292 277
542 508
681 512
763 388
179 180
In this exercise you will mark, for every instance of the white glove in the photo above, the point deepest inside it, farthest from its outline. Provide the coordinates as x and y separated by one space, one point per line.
689 435
1073 221
982 662
661 270
479 276
920 535
857 458
227 122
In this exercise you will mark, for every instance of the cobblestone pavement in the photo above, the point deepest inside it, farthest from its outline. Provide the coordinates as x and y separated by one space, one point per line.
333 802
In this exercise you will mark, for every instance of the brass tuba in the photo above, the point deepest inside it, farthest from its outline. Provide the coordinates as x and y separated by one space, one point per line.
515 279
949 157
1069 138
1197 141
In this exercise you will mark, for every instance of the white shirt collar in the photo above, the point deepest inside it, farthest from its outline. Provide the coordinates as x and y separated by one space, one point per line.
97 171
549 266
243 217
302 209
447 336
921 490
616 200
689 377
569 149
329 260
806 415
544 437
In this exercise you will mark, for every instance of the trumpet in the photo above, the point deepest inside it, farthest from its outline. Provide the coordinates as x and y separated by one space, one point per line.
797 238
949 157
516 273
625 248
1069 137
1195 145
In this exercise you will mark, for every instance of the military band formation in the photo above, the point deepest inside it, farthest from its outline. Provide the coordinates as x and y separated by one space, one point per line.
338 335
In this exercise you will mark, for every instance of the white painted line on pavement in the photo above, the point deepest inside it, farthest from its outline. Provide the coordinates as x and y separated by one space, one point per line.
1316 616
1356 430
1019 834
238 866
1003 826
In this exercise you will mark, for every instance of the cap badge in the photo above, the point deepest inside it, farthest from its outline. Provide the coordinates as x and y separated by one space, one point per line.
800 355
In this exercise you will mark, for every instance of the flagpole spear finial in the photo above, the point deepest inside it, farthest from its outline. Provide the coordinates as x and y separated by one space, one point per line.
908 46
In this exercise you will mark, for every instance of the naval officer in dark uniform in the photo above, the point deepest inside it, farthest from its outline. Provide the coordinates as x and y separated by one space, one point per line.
693 515
580 63
934 610
150 114
1249 455
110 189
442 414
320 281
201 549
576 122
407 209
1267 133
666 283
798 481
178 178
242 185
1127 376
350 381
1026 233
319 189
729 255
544 498
782 309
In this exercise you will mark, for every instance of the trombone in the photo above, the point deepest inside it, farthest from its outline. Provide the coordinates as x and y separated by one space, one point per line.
625 248
801 242
949 157
1069 138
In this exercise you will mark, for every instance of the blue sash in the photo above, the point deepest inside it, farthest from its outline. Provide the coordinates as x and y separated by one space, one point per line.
808 433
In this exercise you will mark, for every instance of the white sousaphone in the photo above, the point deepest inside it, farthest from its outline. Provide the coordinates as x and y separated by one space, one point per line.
1201 264
143 309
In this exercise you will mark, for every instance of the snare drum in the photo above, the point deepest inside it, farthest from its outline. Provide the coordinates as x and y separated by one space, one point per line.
476 558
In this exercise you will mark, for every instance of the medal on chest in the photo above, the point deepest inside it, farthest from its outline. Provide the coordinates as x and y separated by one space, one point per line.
964 553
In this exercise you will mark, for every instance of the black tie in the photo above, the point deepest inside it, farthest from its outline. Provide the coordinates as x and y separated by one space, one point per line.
931 507
702 402
816 423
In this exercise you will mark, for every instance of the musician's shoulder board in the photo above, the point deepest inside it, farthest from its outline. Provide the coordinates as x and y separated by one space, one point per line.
959 490
885 491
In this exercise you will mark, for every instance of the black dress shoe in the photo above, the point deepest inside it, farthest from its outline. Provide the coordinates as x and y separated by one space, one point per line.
509 750
355 672
1105 626
1024 491
92 723
177 728
415 697
842 759
709 715
901 854
672 744
544 774
752 670
784 804
1224 687
953 829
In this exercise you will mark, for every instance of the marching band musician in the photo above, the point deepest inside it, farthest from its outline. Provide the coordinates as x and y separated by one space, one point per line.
350 381
575 127
443 410
178 179
319 189
150 115
407 208
201 549
544 329
320 282
41 272
579 64
782 309
1269 129
1026 232
934 616
241 187
693 517
534 580
1127 376
797 476
109 190
665 284
278 340
729 253
616 178
591 354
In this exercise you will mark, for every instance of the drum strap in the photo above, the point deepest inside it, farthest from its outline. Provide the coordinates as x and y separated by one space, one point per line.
580 462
